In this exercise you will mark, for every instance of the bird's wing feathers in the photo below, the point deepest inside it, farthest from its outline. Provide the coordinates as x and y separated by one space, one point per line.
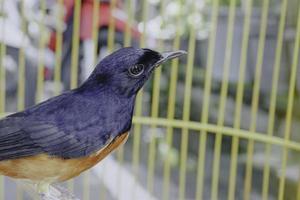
14 141
20 138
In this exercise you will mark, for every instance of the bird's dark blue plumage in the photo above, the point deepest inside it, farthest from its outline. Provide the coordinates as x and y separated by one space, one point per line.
84 120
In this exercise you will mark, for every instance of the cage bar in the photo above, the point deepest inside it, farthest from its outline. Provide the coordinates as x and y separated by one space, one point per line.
206 99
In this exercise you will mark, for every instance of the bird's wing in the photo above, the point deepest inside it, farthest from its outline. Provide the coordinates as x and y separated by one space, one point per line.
14 142
21 138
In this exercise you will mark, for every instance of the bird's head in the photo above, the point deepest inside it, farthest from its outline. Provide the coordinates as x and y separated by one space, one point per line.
127 69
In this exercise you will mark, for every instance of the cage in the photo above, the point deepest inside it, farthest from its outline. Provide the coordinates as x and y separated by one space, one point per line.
222 123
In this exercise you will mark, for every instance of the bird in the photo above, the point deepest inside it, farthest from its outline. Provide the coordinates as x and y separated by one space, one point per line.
65 135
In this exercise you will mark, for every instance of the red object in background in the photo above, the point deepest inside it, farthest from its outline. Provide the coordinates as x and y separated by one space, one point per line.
86 19
47 73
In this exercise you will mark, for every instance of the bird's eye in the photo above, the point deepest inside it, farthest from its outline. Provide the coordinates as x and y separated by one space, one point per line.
136 70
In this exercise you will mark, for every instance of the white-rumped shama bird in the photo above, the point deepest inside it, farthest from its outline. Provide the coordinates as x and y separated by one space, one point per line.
59 138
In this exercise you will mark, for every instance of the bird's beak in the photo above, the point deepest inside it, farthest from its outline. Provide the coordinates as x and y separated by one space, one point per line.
168 56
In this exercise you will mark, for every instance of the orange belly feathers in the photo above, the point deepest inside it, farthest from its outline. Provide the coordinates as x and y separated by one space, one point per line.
53 169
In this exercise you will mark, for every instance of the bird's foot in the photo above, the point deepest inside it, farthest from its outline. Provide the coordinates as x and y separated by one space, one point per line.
56 192
49 193
43 188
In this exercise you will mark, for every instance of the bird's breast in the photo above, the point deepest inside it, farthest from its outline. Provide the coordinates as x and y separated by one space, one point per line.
53 169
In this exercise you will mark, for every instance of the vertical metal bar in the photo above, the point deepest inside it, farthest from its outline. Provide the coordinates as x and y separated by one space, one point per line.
144 18
120 158
74 57
41 54
289 112
298 189
255 97
223 98
2 86
111 27
127 42
239 100
102 190
95 31
138 104
2 189
272 107
70 185
154 114
58 48
75 45
111 46
21 71
2 66
86 186
127 36
19 195
186 109
136 153
206 99
171 108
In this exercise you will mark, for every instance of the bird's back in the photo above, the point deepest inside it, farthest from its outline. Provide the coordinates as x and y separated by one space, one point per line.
67 126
